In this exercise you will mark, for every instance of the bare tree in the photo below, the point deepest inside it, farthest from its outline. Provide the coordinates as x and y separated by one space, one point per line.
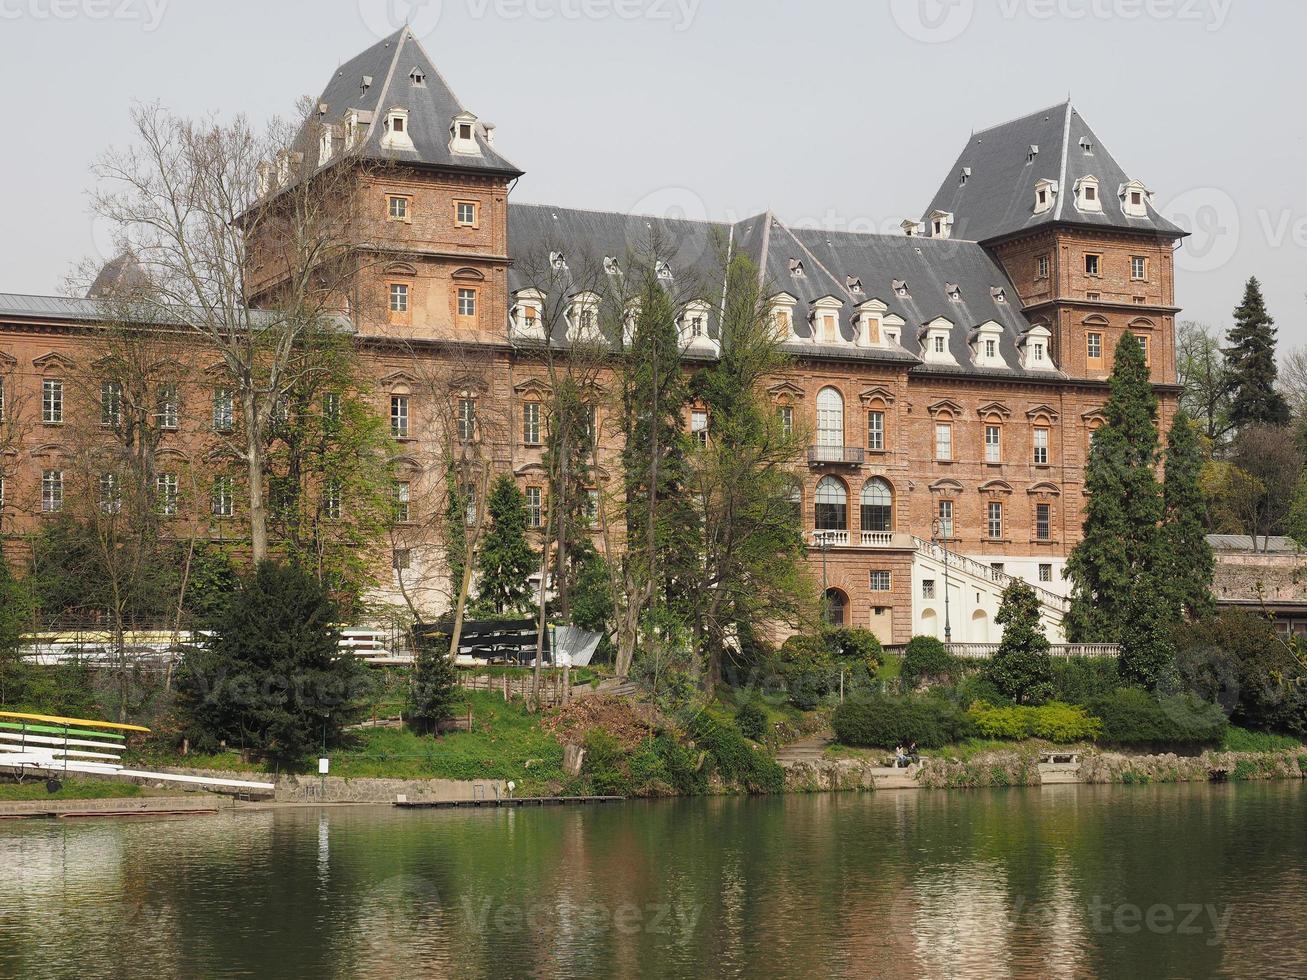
222 218
1204 379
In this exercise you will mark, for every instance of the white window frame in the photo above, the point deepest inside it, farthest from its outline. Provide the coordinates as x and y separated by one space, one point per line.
944 512
52 401
944 440
993 443
880 580
402 493
467 301
399 415
535 507
224 410
531 423
994 520
221 499
165 489
876 429
1040 440
399 297
52 491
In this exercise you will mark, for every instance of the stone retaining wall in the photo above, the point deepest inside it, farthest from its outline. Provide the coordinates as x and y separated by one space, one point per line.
340 789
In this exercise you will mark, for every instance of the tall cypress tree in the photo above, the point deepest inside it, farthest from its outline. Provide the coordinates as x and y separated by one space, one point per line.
1122 530
1250 361
505 562
1187 560
1021 668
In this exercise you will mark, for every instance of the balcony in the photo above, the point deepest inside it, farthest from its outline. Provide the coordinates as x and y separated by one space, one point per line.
860 539
836 455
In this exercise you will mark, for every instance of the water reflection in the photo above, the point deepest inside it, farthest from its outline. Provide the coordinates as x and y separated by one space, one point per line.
1063 882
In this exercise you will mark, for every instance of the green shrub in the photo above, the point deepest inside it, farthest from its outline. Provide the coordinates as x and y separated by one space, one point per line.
1130 715
751 720
1054 722
736 761
1244 769
605 764
1078 679
927 659
681 766
806 667
883 722
855 646
1242 740
1302 764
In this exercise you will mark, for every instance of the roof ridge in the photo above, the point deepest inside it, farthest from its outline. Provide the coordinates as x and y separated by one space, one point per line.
843 287
436 68
620 214
1025 115
1061 176
385 86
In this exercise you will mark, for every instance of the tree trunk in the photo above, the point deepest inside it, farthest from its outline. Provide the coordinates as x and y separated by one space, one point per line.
255 477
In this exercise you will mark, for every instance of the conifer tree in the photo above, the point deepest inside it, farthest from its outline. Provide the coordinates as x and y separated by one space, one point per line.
1250 361
1147 656
433 685
505 562
1187 562
1122 530
1021 668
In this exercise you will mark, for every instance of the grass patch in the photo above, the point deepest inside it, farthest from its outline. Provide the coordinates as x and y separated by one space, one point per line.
1243 740
78 789
889 667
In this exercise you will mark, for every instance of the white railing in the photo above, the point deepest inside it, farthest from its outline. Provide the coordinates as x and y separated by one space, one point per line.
830 538
973 567
973 651
877 539
821 453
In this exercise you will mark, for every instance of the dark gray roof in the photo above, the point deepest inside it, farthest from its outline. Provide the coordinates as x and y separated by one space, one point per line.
830 259
51 307
1273 544
431 106
998 196
118 277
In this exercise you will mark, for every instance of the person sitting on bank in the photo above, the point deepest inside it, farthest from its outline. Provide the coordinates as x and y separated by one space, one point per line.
913 757
900 758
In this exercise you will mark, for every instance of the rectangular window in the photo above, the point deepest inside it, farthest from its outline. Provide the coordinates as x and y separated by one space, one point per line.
1043 521
879 581
400 559
52 401
943 440
467 302
398 208
699 426
993 444
876 430
939 345
111 403
1041 446
592 506
52 491
1093 296
168 413
465 214
331 500
786 414
946 518
165 488
927 588
401 493
221 500
223 410
398 297
111 499
991 349
531 423
1143 342
994 525
1094 346
2 399
399 416
1041 267
1045 573
1138 267
535 512
467 419
1091 264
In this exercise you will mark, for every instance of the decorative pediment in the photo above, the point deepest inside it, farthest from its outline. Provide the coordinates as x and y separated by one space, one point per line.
946 486
785 389
468 274
994 408
400 377
996 487
873 305
406 462
53 360
531 386
400 269
1094 415
1141 323
827 302
877 392
217 370
50 449
7 361
1046 411
1044 490
530 469
174 453
948 405
467 384
222 454
1095 320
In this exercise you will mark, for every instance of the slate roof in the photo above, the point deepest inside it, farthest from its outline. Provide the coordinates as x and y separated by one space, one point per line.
431 107
694 250
997 199
1274 544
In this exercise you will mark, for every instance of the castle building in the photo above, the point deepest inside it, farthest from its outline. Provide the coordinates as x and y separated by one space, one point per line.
951 376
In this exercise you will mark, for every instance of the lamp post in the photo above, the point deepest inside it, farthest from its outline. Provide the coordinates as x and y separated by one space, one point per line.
823 545
936 527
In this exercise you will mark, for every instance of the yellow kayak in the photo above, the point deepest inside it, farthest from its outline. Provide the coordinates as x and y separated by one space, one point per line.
56 720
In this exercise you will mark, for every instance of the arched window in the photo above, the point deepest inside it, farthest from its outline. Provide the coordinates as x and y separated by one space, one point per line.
877 506
830 418
836 604
796 499
832 505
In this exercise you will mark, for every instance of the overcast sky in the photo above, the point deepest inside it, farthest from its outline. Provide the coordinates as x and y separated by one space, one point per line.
846 114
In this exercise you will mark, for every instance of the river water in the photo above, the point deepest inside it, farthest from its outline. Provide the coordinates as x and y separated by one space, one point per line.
1063 881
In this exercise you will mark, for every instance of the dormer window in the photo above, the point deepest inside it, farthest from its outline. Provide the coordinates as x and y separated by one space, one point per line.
1134 199
526 316
910 227
935 345
396 136
325 145
364 84
853 284
611 266
991 349
941 224
900 287
417 76
1036 347
583 314
963 174
557 262
782 316
939 344
986 349
462 134
998 293
826 320
796 269
867 320
1085 145
954 292
693 324
1045 191
1032 153
1087 198
663 271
